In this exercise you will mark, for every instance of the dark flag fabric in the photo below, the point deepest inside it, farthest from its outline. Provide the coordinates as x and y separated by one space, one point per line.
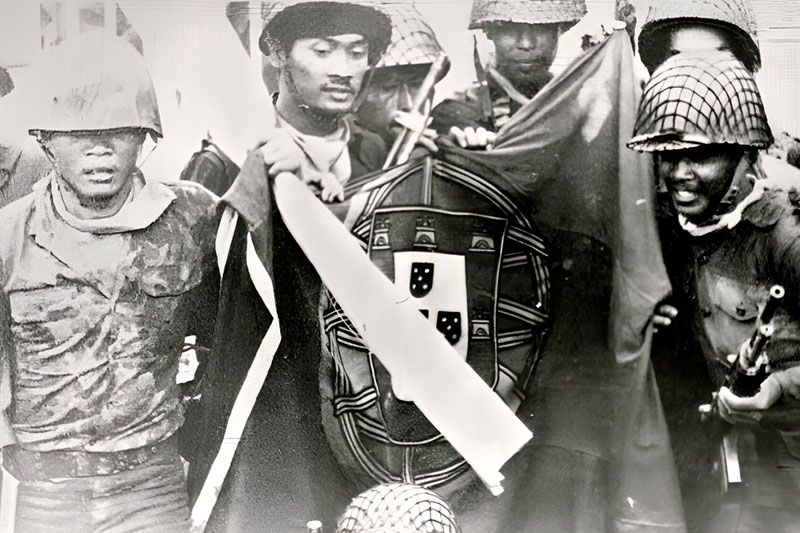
600 452
564 152
599 459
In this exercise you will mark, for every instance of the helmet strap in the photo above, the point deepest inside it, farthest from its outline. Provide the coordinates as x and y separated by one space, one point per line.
740 187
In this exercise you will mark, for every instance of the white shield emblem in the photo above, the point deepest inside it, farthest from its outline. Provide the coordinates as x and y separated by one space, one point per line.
444 300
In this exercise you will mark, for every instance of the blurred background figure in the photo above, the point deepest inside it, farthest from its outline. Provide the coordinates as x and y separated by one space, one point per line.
21 162
699 25
398 508
626 12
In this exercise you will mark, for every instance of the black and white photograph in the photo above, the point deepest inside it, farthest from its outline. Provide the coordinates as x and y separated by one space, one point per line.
400 266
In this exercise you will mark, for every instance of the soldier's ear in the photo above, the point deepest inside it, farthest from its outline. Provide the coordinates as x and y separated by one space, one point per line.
277 60
277 55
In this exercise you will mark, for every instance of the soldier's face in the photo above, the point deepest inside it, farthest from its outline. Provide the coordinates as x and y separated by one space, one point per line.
524 50
391 89
95 166
326 73
698 178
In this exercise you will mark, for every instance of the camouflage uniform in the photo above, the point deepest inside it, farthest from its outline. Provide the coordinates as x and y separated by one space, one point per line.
93 314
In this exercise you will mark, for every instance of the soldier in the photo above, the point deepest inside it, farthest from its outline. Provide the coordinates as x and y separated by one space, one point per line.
525 36
400 508
103 274
699 25
400 73
742 236
324 51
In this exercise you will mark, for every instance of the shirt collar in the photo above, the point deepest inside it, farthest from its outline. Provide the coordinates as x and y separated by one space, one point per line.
148 202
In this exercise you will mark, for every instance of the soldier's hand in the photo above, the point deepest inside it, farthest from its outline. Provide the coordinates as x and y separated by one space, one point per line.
324 185
281 153
781 384
417 122
332 190
663 316
473 138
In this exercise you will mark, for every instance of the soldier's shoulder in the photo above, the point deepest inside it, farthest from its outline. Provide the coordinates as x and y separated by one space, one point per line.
191 194
367 146
368 139
774 205
196 205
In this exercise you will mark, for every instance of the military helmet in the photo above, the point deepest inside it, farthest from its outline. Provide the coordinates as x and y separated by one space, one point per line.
735 16
286 21
93 81
400 508
694 100
565 12
413 40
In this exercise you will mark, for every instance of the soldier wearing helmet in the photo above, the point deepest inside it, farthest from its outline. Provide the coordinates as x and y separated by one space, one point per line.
697 25
399 508
400 73
324 52
103 274
525 36
703 119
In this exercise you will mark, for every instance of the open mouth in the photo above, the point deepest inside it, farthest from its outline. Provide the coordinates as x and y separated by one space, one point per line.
683 196
99 174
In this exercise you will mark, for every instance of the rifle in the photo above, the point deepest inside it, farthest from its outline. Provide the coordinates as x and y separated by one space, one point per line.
747 371
407 139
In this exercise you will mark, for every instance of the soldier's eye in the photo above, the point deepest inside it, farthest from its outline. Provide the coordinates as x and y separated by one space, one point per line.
322 49
358 51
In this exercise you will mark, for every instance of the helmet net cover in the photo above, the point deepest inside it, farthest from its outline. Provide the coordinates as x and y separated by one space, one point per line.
694 100
566 12
398 508
413 40
735 15
92 82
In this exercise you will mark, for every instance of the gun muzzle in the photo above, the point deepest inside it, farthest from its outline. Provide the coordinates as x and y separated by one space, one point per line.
776 294
762 337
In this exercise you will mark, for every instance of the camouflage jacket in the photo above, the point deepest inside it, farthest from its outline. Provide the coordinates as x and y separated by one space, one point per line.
92 325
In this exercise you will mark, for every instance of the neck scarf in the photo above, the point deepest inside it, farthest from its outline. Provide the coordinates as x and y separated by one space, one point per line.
326 154
146 202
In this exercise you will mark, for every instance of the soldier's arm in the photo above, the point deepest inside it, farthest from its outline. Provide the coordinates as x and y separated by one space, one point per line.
782 262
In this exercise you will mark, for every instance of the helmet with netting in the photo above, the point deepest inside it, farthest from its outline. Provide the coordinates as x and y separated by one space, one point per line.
694 100
564 12
413 40
286 21
93 81
398 508
733 16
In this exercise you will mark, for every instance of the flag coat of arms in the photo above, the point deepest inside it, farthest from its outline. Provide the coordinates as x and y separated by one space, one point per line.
599 458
